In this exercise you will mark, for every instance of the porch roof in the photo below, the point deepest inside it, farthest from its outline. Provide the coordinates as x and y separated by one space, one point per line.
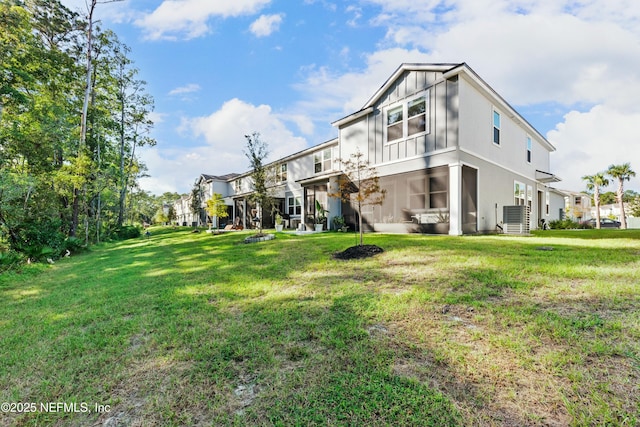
319 178
543 176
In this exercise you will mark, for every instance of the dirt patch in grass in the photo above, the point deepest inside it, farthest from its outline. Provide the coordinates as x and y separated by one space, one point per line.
358 252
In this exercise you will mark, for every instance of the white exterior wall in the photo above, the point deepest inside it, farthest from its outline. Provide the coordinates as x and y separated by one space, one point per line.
476 134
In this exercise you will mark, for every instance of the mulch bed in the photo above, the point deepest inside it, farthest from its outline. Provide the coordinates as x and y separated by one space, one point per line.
358 252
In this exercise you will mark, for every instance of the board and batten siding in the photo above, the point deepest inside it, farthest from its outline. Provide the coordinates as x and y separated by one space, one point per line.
368 132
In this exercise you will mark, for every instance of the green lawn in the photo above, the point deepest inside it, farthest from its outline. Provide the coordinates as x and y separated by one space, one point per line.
194 329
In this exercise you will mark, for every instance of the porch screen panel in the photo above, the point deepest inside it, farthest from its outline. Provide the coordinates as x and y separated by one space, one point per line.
469 200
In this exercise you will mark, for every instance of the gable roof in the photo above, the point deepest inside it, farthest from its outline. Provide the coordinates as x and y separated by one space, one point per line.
448 70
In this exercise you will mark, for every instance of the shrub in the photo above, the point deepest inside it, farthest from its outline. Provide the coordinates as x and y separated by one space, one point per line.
10 259
128 232
74 245
40 239
567 224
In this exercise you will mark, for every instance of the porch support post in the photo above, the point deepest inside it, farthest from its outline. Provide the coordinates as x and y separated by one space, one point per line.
244 213
455 199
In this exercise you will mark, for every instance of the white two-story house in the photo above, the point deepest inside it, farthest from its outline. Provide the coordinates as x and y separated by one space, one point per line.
449 151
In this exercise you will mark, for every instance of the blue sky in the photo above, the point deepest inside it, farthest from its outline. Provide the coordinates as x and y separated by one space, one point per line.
221 69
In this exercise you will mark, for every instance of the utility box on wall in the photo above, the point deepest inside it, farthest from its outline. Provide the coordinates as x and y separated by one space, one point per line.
516 219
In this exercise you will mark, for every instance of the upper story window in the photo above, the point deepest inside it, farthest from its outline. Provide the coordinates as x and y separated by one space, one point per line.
281 173
237 185
395 123
415 111
528 149
416 114
496 127
322 160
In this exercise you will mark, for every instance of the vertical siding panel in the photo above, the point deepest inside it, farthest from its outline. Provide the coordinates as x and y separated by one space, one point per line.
421 147
411 146
371 137
421 79
441 116
452 112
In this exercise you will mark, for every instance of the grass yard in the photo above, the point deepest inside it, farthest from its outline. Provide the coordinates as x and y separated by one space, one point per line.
194 329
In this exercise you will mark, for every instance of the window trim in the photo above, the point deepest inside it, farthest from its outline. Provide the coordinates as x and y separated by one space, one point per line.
529 148
519 193
297 207
494 112
281 173
426 94
326 164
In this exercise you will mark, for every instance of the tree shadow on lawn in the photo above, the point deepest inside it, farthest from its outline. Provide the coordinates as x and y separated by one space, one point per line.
222 318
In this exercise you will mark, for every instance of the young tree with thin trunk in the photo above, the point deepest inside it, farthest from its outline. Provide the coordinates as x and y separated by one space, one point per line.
257 151
622 173
594 183
196 202
359 185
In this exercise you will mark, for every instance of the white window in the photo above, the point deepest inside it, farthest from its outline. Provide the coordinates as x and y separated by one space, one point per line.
238 185
281 173
395 123
322 160
416 115
417 118
547 201
496 127
520 193
294 206
528 149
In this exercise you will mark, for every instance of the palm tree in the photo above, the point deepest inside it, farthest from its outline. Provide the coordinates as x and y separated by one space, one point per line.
622 173
594 183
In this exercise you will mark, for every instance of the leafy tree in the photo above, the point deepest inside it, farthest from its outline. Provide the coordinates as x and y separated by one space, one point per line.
634 207
359 185
196 202
594 183
216 208
257 151
622 173
607 198
59 172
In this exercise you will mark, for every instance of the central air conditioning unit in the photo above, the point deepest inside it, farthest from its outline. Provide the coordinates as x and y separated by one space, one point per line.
516 219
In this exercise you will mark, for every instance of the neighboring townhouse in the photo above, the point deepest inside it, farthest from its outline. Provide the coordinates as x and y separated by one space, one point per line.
577 206
613 211
208 185
182 208
294 180
450 152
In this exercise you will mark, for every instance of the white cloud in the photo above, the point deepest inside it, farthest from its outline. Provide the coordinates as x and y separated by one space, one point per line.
533 52
157 117
265 25
190 88
225 129
325 90
189 18
589 142
223 134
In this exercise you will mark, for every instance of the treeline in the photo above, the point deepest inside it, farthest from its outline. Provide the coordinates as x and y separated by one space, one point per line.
73 111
